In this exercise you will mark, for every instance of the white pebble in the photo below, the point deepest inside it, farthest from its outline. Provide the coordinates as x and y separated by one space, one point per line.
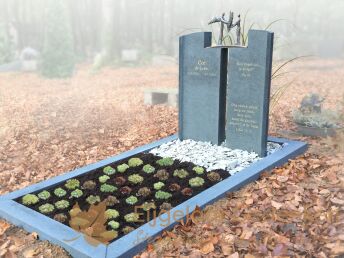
211 156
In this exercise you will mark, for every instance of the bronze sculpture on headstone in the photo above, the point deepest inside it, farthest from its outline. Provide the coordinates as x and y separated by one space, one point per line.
229 24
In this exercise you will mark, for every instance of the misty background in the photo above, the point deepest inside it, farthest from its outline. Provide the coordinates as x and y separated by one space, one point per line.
101 30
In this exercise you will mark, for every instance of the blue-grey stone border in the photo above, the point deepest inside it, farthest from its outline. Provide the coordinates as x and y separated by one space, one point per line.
137 240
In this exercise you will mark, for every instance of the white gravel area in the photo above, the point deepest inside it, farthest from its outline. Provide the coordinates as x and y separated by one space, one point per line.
211 156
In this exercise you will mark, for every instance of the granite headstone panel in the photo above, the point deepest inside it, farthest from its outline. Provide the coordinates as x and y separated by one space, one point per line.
248 93
202 89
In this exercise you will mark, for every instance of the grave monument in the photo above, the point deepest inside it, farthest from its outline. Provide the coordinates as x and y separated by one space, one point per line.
225 90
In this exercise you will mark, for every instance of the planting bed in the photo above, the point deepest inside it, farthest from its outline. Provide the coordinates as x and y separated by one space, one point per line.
178 188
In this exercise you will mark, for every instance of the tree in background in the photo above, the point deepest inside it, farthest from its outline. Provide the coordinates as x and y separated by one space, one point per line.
58 58
6 46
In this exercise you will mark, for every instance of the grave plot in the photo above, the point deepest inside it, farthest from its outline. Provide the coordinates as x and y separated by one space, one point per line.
113 208
130 237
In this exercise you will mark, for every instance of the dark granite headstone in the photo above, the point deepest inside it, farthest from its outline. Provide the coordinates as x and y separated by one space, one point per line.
249 80
202 89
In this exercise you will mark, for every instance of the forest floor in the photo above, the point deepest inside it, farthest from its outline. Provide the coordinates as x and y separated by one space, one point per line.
48 127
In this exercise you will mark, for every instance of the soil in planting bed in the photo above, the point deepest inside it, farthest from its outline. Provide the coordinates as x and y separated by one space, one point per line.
122 207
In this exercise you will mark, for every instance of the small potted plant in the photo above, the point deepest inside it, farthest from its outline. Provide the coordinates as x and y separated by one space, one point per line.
312 120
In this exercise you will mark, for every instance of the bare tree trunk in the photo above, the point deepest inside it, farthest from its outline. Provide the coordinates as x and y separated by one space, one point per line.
111 29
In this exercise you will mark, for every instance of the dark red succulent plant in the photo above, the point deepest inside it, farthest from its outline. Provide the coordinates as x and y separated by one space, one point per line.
111 201
214 176
120 180
187 191
144 191
174 187
162 174
126 190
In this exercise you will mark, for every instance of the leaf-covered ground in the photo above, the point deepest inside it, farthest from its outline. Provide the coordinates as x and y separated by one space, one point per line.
48 127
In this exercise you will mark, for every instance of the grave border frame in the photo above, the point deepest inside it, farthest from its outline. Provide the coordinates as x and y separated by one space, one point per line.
134 242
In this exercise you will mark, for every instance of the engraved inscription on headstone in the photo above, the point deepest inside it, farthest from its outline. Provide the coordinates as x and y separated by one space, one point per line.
249 80
202 89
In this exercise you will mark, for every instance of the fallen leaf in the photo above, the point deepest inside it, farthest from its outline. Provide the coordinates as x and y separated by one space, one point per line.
336 248
276 205
246 233
3 227
31 253
241 244
282 179
196 215
5 244
235 255
34 235
170 234
325 192
207 247
92 224
226 248
10 254
150 248
280 250
337 201
249 201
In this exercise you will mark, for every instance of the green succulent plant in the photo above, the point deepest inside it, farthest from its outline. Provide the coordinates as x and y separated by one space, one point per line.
148 169
131 200
162 195
105 188
59 192
122 168
158 185
72 184
198 170
93 199
148 206
135 179
126 230
46 208
135 162
181 173
111 214
103 179
30 199
109 170
113 224
77 193
61 205
196 182
165 162
132 217
44 195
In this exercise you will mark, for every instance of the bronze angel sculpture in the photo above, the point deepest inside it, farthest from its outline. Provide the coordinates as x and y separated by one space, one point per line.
229 24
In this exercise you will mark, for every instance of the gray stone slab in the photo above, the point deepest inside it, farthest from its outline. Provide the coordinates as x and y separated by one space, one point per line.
161 96
202 88
248 93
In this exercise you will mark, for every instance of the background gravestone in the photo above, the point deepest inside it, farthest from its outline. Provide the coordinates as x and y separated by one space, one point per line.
249 80
202 89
